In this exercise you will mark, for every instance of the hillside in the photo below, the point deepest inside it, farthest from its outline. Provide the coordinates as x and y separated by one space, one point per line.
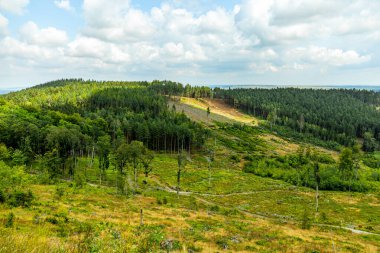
127 167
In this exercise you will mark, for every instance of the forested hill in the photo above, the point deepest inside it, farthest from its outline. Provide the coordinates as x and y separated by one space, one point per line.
65 119
333 115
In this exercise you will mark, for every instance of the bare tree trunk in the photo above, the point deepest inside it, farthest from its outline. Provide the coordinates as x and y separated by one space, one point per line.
178 180
92 155
141 217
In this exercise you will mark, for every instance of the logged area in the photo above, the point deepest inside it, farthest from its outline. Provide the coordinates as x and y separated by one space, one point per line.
157 166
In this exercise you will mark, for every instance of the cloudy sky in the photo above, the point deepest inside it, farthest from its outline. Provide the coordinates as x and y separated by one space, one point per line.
281 42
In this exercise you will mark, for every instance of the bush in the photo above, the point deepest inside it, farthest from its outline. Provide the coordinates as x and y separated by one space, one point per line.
59 192
306 220
20 198
323 158
10 220
2 196
235 158
372 161
80 180
149 238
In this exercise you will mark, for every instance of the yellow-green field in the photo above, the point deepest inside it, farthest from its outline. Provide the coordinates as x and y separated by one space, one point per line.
239 212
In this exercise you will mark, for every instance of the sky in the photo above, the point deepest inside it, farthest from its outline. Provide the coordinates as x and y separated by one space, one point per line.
201 42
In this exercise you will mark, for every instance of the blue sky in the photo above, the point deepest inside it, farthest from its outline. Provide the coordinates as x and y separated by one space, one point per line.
274 42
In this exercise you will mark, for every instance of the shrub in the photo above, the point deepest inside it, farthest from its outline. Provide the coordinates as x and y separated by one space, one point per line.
20 198
59 192
2 196
235 158
306 220
149 238
80 180
222 242
214 208
18 157
10 220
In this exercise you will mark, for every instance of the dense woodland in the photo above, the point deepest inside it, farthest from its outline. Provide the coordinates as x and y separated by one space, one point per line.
61 121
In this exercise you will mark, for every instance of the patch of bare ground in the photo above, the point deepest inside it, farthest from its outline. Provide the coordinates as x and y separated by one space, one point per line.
219 107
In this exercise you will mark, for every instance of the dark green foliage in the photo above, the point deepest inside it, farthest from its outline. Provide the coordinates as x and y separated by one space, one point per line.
306 220
9 220
330 115
299 169
80 180
372 161
3 197
65 120
20 198
60 192
369 142
177 89
235 158
18 157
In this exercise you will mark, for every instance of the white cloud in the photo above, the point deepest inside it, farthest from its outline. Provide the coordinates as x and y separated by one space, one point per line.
13 6
115 21
3 25
284 21
50 36
321 55
184 40
84 47
63 4
13 48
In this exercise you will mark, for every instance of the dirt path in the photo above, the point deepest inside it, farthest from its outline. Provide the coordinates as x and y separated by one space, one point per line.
255 215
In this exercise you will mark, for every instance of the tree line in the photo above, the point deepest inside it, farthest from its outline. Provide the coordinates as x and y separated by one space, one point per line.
337 114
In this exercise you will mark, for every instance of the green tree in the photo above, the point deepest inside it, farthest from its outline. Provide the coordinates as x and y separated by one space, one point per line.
317 184
301 123
121 157
135 151
369 142
103 149
346 165
146 160
18 157
272 118
4 153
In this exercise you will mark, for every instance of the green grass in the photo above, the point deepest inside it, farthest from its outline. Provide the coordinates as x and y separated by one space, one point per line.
237 211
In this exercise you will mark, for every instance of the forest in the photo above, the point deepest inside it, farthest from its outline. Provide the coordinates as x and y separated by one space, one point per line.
65 120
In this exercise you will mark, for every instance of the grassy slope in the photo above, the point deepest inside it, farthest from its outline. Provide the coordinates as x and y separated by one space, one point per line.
264 215
235 212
